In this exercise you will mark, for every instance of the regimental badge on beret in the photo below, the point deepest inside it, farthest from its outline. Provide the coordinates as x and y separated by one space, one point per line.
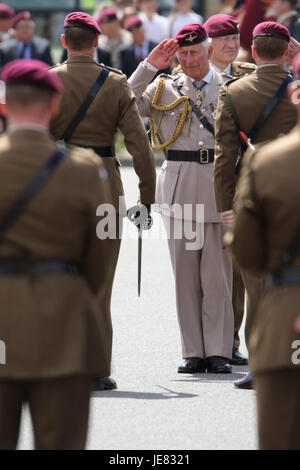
271 29
30 72
191 34
78 19
221 25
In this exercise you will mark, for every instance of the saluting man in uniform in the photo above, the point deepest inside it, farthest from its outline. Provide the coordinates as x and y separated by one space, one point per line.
51 267
241 104
225 39
182 111
265 239
113 108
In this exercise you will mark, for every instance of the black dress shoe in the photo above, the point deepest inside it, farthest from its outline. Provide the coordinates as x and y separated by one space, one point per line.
104 383
246 383
218 365
237 358
192 365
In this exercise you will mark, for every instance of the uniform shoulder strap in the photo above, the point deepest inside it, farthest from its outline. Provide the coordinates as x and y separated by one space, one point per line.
80 113
34 186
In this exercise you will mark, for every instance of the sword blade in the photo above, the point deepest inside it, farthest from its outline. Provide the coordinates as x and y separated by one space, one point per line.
140 246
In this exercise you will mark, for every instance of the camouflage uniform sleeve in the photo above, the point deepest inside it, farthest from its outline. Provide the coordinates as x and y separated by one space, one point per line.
227 146
137 143
246 241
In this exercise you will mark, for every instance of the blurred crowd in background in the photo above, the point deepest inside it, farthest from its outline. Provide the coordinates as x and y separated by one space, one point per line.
130 28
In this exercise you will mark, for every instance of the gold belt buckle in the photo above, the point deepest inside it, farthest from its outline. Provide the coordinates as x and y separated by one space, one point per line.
204 159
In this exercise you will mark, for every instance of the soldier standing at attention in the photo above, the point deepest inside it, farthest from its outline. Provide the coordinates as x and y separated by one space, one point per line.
113 108
182 111
245 106
225 39
51 266
265 239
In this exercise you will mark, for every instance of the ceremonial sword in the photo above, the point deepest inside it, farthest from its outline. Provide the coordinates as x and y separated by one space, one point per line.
139 215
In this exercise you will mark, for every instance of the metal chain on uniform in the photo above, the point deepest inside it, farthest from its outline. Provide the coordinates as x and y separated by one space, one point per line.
187 109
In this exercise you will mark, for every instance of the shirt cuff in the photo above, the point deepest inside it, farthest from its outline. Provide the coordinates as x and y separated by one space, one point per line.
149 66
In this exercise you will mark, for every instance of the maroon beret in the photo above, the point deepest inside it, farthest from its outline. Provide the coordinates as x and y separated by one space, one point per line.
191 34
78 19
6 12
30 72
271 29
24 15
107 15
133 23
221 25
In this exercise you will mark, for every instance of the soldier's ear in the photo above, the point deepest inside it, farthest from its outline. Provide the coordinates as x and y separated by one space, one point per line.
96 40
210 51
3 109
253 52
63 41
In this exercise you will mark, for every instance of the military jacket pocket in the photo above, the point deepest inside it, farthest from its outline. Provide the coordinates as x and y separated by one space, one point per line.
167 182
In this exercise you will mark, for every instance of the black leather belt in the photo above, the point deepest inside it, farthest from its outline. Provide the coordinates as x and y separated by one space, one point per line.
202 156
286 277
15 267
102 151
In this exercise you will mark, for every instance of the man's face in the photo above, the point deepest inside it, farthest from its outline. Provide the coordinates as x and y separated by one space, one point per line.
138 35
280 7
194 60
225 48
24 30
149 6
110 29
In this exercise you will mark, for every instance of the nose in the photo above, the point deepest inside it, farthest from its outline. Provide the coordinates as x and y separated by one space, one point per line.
189 58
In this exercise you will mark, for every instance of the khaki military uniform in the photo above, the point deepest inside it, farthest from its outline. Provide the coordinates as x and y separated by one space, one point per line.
203 276
249 95
55 333
238 70
266 222
113 108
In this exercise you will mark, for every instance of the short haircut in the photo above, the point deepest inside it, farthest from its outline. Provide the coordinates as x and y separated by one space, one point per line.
79 39
270 48
27 95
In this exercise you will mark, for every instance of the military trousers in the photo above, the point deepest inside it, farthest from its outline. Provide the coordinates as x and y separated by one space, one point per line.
238 303
59 410
203 282
255 287
105 290
278 409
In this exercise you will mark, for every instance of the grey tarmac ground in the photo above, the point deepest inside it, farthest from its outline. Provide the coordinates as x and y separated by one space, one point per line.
154 407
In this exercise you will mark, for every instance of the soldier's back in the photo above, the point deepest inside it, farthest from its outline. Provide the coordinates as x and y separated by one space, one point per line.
100 122
249 96
57 331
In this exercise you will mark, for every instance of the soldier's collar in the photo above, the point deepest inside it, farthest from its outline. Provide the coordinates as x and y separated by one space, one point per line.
226 71
80 58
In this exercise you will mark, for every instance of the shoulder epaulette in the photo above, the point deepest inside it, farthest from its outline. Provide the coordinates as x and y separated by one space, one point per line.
111 69
165 75
246 65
